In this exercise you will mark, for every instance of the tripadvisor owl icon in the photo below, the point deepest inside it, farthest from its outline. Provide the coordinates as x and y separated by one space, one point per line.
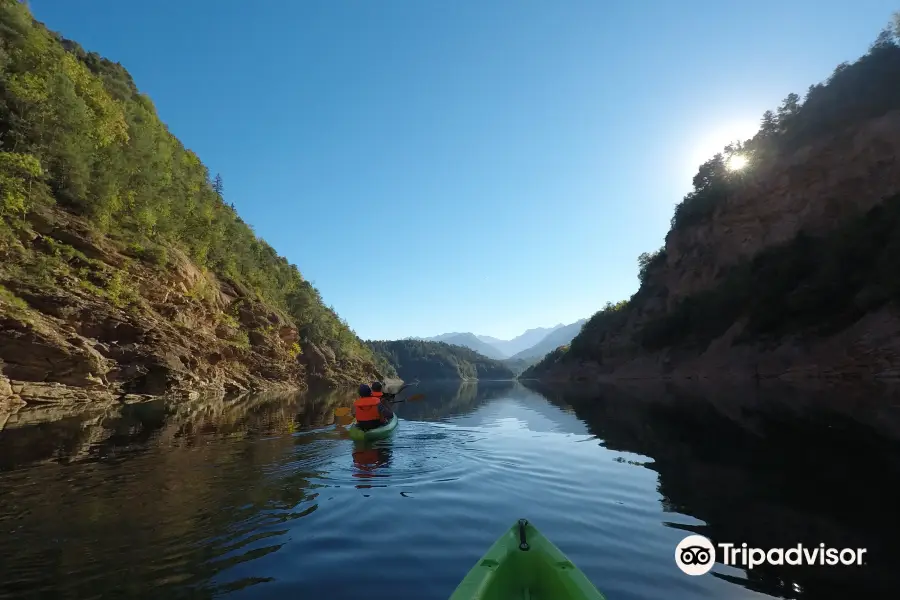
695 555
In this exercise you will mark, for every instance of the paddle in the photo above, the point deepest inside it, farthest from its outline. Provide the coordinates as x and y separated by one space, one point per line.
412 398
344 411
397 393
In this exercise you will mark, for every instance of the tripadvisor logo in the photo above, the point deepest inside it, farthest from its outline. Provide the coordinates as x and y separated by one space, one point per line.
696 554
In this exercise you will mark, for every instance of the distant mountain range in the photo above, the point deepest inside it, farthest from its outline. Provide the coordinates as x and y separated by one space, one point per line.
520 342
559 336
525 349
471 341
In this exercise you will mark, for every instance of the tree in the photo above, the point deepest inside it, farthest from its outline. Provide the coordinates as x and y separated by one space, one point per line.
769 124
17 172
838 70
736 147
218 186
75 129
886 37
709 173
646 261
788 109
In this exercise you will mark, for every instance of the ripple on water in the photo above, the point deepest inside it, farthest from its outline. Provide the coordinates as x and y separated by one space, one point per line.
311 514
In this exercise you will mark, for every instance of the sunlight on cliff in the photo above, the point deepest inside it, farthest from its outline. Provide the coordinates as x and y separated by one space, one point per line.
720 135
736 162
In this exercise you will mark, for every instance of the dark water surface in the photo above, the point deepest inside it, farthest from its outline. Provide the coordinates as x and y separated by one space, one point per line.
267 498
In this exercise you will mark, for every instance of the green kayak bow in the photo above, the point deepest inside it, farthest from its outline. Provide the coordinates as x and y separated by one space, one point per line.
524 565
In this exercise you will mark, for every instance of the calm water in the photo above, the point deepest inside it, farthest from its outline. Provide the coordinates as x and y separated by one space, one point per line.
266 497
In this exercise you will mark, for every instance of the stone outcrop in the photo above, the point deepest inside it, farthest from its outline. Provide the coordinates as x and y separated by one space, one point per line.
178 331
813 190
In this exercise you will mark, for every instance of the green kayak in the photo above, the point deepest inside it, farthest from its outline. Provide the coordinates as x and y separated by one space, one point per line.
525 565
373 434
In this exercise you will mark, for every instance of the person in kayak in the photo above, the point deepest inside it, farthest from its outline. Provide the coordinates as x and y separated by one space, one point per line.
378 391
385 397
370 410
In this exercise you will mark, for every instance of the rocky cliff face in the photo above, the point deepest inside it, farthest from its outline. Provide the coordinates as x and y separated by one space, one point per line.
813 191
123 271
96 324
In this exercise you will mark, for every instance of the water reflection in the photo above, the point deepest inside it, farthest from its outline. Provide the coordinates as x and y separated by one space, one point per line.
443 399
264 496
368 461
772 466
150 479
71 433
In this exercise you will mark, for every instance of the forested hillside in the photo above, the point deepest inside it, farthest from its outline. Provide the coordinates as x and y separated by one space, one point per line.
104 210
780 260
414 359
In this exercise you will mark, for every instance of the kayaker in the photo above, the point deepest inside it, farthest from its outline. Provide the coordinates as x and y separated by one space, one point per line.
378 391
370 411
386 397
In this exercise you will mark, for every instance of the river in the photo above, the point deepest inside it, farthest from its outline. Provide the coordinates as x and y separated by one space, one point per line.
265 497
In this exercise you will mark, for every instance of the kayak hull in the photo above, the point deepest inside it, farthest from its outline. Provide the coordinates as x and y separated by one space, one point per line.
536 571
373 434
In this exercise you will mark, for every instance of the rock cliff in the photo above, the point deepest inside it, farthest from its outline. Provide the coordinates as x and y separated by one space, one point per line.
177 330
785 269
123 271
813 189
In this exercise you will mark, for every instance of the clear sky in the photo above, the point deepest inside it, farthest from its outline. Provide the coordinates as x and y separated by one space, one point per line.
465 166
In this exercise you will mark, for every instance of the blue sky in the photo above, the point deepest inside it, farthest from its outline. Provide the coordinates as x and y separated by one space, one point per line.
470 166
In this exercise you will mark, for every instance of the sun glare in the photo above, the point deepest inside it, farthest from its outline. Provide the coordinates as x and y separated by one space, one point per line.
717 138
737 162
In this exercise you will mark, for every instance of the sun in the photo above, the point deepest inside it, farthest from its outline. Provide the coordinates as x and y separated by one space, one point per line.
717 137
736 162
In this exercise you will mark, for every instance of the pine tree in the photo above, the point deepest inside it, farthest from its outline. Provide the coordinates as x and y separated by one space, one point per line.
218 186
769 124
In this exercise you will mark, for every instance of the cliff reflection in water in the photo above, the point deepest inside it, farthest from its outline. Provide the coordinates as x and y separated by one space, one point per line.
145 476
444 399
71 433
771 466
199 498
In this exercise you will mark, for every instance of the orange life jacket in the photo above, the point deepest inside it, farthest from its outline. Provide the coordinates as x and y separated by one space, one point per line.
366 409
378 394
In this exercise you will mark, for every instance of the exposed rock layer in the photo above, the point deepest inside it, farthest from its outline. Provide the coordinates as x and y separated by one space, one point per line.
182 331
813 190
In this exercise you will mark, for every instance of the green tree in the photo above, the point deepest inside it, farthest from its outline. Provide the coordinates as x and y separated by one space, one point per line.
74 127
18 174
769 124
648 260
789 108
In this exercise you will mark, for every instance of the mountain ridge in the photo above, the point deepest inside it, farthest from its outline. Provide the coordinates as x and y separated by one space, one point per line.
784 268
468 340
422 359
530 346
553 340
498 349
123 271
